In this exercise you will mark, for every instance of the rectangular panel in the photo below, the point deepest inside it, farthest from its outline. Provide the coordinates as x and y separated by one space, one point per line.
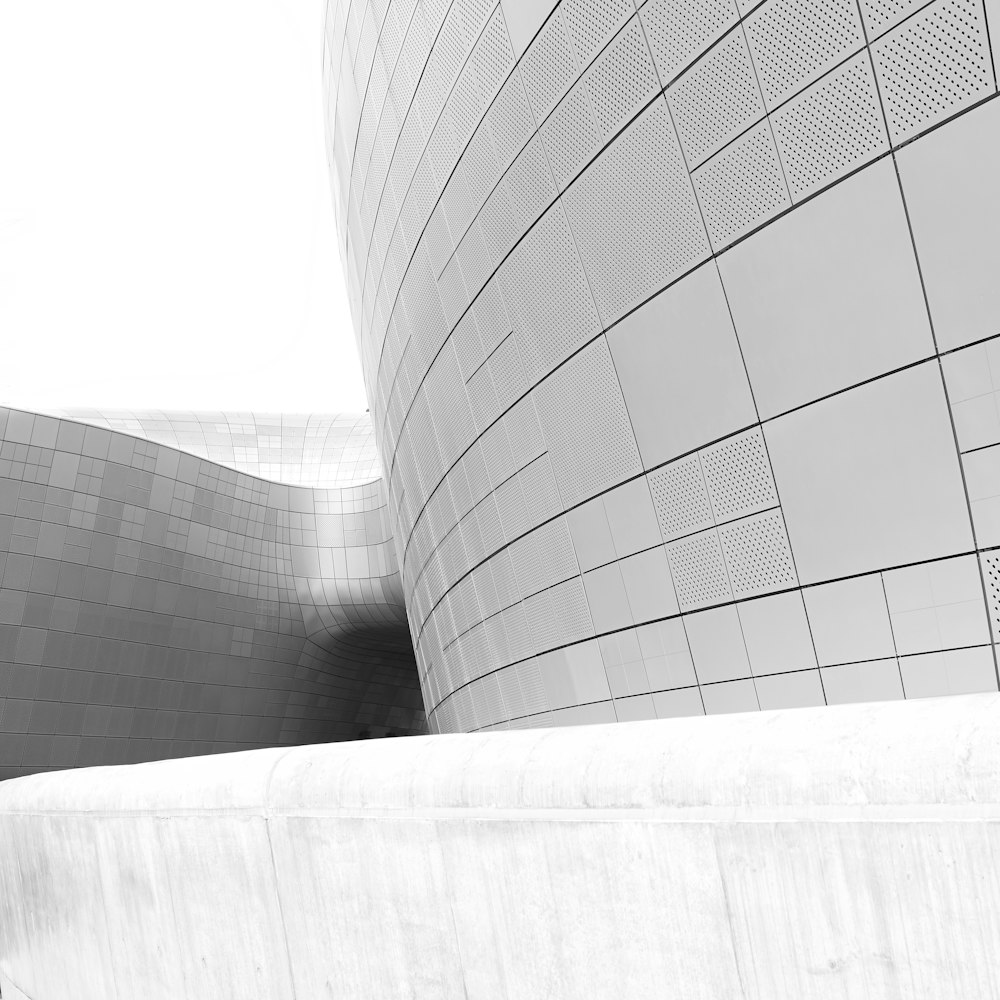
776 634
717 646
634 215
680 368
829 295
586 425
949 178
869 478
850 620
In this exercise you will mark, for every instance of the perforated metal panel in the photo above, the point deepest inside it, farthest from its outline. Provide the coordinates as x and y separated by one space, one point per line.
881 15
794 42
757 554
548 67
546 293
831 128
681 498
493 58
509 119
634 215
742 187
571 135
679 31
530 184
544 557
592 22
699 571
738 476
716 99
991 577
586 425
933 65
622 79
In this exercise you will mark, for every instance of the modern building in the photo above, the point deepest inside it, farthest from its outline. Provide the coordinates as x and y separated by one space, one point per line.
159 604
679 323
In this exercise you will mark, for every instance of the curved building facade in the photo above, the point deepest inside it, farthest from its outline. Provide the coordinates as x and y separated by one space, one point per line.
679 322
154 603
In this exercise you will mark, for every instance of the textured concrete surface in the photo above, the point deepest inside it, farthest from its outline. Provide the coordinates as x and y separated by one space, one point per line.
829 853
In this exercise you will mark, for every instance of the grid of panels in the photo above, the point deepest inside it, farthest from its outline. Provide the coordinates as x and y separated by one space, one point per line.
157 604
791 522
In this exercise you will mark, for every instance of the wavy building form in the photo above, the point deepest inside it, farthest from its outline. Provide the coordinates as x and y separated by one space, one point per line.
679 322
158 604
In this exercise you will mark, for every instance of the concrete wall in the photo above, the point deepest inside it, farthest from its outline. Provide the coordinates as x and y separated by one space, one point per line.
845 852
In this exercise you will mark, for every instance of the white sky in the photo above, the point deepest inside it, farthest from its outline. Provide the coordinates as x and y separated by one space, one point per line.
166 230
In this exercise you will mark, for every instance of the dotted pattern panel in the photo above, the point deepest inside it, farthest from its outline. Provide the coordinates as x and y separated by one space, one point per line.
794 41
699 571
571 136
681 498
592 22
679 31
738 476
548 67
831 128
717 99
634 215
509 120
991 576
881 15
586 425
933 65
622 79
546 292
742 187
757 554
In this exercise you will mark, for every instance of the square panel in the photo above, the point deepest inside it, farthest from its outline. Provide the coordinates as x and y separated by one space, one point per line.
869 478
632 517
648 585
829 295
849 620
717 646
698 568
949 178
680 368
776 634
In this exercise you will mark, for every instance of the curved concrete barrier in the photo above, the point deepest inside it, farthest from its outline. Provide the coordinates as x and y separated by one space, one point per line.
839 852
